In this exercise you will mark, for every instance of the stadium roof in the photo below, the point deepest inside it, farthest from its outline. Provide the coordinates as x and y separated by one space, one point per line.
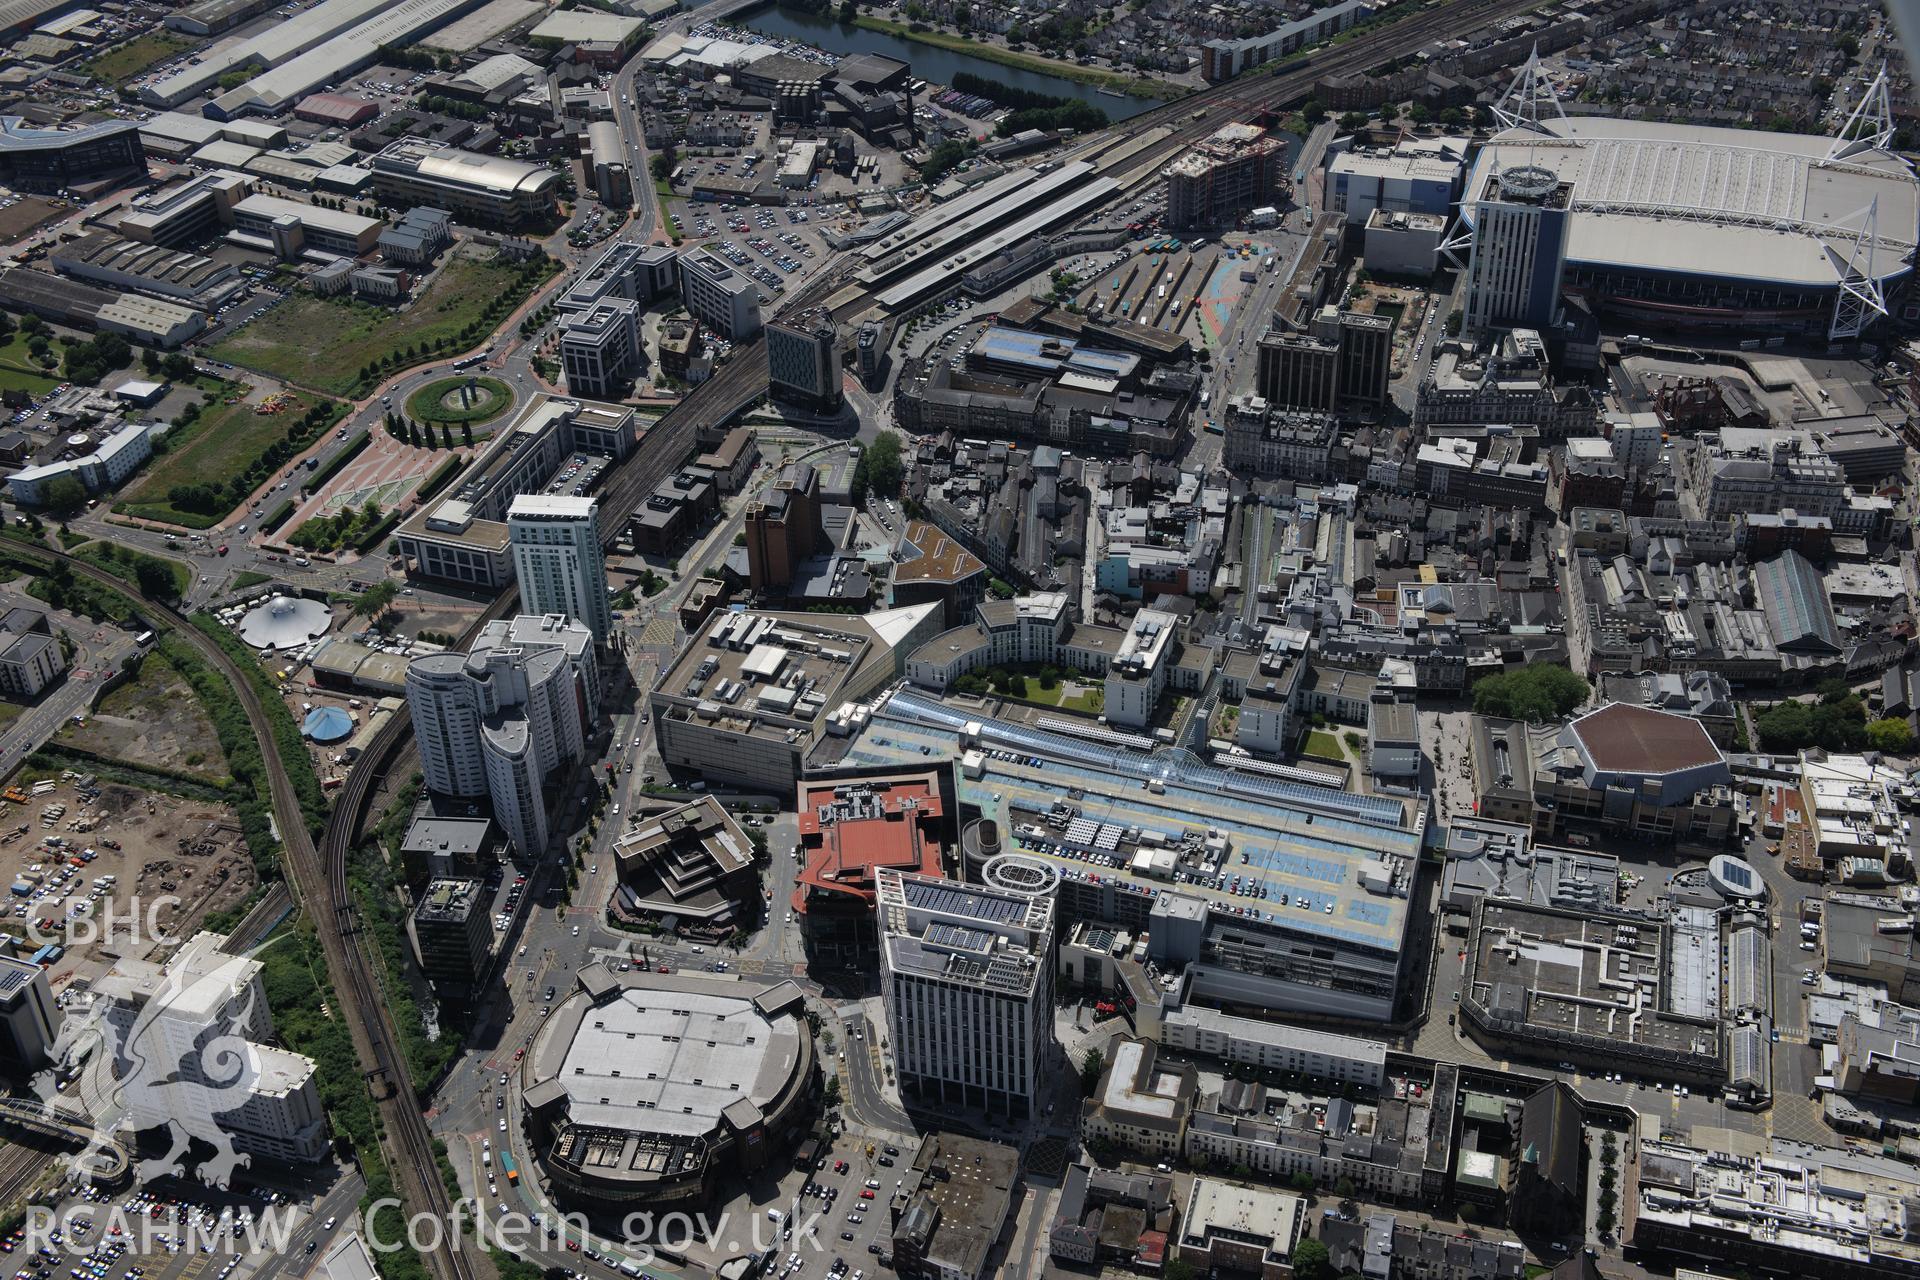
1696 200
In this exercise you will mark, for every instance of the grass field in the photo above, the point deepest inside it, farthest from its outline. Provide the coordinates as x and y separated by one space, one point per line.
1325 745
221 445
18 372
325 343
128 60
427 404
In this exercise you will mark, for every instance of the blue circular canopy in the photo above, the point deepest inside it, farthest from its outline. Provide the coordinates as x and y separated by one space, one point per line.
327 724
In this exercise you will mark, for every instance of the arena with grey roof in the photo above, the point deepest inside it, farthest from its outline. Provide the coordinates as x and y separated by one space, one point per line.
646 1088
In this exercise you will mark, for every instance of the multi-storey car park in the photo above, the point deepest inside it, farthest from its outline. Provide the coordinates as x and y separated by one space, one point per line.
1269 893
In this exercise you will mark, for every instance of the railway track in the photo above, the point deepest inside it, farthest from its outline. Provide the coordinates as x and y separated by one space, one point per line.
318 878
318 870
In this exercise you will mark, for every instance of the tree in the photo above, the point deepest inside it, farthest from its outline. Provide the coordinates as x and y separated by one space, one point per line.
155 579
64 495
1892 735
1311 1260
1353 121
1420 113
879 469
1345 1188
375 599
1301 1182
1535 694
1090 1068
1453 324
831 1093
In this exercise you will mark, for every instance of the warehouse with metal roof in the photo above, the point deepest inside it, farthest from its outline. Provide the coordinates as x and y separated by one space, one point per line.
332 60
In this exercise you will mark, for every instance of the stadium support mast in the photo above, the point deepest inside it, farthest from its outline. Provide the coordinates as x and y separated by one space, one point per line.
1869 126
1520 107
1861 299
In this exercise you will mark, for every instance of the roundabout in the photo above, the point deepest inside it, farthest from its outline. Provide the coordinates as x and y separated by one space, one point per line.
460 400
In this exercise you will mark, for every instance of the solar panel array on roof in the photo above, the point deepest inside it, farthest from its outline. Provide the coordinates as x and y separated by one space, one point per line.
13 978
959 938
949 900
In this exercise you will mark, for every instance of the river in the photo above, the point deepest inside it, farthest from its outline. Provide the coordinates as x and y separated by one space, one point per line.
929 62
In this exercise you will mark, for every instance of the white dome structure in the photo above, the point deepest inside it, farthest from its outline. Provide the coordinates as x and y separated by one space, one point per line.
281 623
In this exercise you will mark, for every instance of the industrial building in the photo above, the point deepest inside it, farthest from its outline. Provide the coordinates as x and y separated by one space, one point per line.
36 157
214 17
966 974
103 258
187 213
64 301
280 43
643 1089
333 59
491 190
1236 169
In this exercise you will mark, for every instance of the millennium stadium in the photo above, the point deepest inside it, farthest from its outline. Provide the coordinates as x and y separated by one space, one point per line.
1692 227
